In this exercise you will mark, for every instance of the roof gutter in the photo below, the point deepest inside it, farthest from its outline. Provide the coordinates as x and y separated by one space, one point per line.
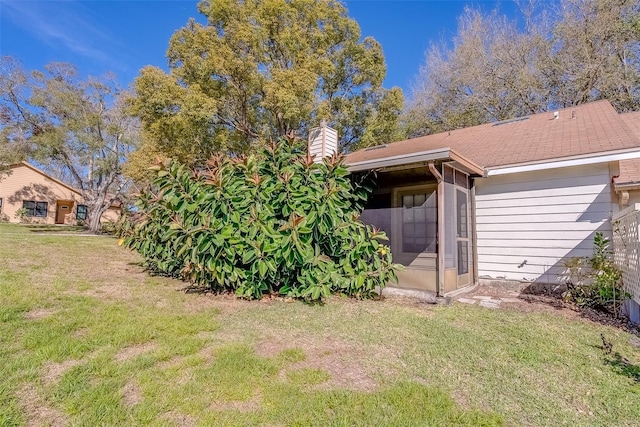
607 156
473 167
620 186
423 157
402 159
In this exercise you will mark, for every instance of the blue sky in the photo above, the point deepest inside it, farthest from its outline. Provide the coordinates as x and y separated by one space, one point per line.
123 36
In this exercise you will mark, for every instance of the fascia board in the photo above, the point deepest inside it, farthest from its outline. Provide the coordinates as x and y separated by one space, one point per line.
566 162
402 159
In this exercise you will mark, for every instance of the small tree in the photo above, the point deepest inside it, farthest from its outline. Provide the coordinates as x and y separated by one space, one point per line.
272 222
77 130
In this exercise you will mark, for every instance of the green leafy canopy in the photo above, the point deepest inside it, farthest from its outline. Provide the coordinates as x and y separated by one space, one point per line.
260 69
271 222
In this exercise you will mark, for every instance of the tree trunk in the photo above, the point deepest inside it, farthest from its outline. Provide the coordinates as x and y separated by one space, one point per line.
96 207
94 220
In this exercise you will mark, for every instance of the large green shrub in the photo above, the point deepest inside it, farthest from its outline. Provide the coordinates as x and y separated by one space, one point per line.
272 222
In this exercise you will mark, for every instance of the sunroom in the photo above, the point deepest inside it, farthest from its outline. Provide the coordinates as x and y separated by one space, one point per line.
424 202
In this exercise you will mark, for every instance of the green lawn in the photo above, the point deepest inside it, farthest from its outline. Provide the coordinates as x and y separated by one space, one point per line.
86 338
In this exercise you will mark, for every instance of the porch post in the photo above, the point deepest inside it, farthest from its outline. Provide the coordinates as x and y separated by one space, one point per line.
474 234
441 240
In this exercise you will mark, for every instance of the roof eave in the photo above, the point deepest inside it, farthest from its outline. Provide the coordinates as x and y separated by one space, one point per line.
626 186
400 160
412 159
585 159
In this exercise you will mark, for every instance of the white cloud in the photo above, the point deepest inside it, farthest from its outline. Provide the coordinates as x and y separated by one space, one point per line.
62 24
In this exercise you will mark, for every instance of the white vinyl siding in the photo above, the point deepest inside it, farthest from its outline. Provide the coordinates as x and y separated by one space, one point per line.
528 223
320 138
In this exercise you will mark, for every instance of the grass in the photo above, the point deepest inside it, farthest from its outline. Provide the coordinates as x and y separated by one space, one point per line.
86 338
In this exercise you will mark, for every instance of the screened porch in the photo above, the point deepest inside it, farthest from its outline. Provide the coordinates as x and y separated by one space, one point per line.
425 209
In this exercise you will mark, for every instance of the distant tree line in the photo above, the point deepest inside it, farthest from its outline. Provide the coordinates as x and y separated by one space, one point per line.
556 55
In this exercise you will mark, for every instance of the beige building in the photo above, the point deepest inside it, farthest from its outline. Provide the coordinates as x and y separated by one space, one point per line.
45 200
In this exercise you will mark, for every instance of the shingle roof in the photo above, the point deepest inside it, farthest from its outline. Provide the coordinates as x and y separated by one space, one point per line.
630 169
585 129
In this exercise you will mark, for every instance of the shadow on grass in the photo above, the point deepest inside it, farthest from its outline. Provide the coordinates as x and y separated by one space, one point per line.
551 301
623 366
556 300
36 228
203 290
199 290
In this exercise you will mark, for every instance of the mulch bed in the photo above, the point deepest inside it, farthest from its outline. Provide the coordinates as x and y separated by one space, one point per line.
552 302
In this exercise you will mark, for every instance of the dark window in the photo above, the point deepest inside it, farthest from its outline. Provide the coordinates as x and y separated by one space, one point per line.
462 220
41 209
462 229
36 209
419 223
30 207
448 173
81 212
461 179
0 204
463 257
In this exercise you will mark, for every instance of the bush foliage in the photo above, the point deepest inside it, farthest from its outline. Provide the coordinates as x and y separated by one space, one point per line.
596 281
272 222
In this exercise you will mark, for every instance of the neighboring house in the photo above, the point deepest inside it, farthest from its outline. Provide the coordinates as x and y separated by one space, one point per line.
46 200
627 183
507 201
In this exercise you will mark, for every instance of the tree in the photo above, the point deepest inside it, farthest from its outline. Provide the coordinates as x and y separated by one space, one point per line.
14 144
581 51
78 130
597 53
260 69
491 73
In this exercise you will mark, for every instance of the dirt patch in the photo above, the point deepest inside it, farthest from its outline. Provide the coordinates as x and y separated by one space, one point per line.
134 351
39 313
81 333
132 394
524 302
346 364
37 411
179 418
226 303
174 362
249 405
54 371
115 292
186 377
207 354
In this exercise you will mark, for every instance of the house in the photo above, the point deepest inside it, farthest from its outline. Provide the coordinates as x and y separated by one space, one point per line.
45 200
507 201
627 183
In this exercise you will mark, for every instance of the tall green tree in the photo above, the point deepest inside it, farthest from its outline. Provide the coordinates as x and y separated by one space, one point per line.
78 130
260 69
